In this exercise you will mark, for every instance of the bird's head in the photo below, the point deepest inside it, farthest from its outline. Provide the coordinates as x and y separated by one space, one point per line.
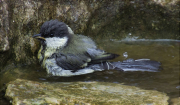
54 33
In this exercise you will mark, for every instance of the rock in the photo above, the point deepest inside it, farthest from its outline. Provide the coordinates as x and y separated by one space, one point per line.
175 101
31 92
4 42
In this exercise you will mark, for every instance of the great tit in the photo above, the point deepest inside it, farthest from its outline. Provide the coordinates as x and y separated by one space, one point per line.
64 53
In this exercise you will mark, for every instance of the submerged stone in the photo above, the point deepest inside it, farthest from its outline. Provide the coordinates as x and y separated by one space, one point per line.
31 92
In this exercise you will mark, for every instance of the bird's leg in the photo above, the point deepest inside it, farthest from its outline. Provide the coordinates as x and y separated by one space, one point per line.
108 66
111 65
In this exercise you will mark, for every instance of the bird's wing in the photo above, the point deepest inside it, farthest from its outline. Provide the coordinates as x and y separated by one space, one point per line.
98 55
72 61
78 61
80 53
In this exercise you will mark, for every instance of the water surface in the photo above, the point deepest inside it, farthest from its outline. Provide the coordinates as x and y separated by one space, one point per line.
164 51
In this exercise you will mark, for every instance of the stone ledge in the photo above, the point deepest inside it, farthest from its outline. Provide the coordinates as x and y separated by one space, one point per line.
31 92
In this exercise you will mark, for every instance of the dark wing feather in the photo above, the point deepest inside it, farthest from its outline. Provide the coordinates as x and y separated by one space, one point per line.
78 61
71 61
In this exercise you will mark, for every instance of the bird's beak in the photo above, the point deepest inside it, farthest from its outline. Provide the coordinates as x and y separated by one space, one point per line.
38 36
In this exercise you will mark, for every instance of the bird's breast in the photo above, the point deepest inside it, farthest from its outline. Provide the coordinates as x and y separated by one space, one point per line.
43 54
40 57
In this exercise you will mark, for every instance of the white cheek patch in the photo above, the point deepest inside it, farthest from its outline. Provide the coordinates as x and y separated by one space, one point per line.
70 30
56 42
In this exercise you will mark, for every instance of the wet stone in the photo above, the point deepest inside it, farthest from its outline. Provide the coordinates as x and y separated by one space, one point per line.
175 101
31 92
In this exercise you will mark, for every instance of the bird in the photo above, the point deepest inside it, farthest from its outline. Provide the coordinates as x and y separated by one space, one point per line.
63 53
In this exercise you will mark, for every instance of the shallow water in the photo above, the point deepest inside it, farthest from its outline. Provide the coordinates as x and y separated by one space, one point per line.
164 51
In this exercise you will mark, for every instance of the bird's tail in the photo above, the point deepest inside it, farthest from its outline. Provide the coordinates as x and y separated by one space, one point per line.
138 65
130 65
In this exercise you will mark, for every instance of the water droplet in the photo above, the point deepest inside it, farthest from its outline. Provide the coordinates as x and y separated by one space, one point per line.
125 54
178 87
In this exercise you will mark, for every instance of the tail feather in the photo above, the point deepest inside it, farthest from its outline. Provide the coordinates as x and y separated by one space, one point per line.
129 65
138 65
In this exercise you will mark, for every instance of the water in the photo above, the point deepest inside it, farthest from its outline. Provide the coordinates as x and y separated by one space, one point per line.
164 51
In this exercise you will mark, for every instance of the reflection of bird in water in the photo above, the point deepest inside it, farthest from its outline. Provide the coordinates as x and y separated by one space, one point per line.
63 53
